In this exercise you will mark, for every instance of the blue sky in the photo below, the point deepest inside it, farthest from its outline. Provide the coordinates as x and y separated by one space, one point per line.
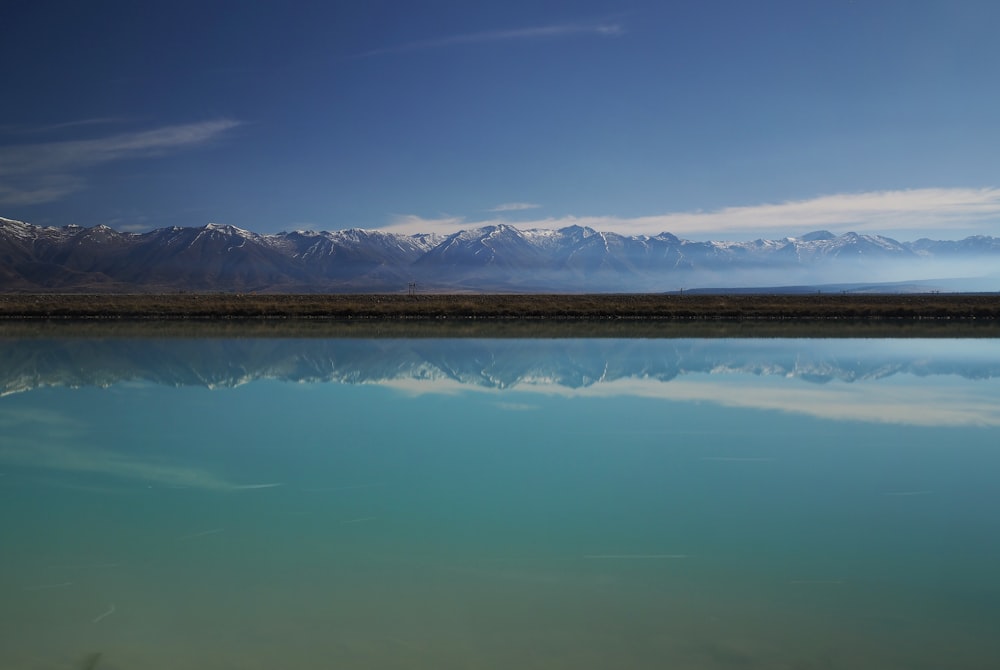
709 119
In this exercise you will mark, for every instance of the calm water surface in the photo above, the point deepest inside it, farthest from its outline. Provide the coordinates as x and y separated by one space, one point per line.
434 503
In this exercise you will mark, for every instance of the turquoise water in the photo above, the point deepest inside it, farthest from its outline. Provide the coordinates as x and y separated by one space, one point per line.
435 503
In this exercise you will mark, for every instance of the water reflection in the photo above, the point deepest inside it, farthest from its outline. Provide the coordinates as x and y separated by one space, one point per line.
497 503
823 378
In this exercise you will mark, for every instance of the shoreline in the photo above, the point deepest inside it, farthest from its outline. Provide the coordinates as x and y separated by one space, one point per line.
500 316
502 307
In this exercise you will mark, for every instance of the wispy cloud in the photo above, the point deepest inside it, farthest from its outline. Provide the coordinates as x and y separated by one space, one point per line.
43 172
22 129
37 189
873 211
514 207
602 29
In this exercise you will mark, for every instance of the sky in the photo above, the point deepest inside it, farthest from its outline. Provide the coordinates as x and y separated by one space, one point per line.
709 119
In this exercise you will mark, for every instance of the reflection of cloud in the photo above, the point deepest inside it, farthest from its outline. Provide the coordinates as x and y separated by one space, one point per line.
443 386
54 445
873 211
103 462
517 406
915 406
54 424
912 405
36 173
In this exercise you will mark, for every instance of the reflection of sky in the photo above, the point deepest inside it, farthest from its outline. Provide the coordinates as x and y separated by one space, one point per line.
185 436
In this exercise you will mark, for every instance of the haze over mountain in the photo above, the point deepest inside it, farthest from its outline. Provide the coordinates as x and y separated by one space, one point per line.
492 258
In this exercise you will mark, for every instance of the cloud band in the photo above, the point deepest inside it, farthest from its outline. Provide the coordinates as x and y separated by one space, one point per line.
874 211
37 173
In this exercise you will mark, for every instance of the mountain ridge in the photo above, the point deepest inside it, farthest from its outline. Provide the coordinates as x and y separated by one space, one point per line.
501 257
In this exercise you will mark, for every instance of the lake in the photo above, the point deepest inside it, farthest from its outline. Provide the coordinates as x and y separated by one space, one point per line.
482 503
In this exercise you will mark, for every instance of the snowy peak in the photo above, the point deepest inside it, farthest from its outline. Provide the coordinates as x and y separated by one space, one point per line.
227 229
500 246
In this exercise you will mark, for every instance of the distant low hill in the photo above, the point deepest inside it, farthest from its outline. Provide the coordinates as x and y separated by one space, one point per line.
500 258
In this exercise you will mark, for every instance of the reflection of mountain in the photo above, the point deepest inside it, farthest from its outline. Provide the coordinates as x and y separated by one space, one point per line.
27 364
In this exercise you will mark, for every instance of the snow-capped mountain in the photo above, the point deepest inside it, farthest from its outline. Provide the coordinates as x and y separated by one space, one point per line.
493 258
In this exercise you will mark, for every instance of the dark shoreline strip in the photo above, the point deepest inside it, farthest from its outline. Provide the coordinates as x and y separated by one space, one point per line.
498 316
499 307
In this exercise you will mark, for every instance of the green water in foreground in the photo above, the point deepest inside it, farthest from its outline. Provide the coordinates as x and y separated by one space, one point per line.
479 503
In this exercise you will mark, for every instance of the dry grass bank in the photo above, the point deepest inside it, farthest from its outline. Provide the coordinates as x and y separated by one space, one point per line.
504 307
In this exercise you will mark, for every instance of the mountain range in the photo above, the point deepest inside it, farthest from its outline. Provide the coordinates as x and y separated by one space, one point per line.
496 258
